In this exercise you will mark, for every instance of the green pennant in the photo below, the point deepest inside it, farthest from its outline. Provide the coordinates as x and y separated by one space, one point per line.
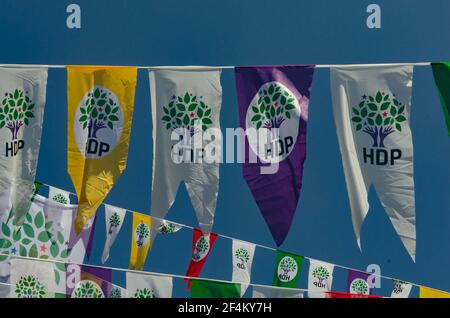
441 72
212 289
287 269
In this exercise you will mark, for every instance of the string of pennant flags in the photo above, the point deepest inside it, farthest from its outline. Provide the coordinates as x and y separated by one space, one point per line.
371 106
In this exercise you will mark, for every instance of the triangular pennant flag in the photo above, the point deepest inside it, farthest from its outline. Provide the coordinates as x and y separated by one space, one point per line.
167 227
320 278
426 292
88 282
117 292
58 195
32 279
22 102
372 106
101 102
212 289
287 269
114 217
149 286
201 247
274 101
276 292
83 239
401 289
243 253
358 283
186 140
441 72
140 240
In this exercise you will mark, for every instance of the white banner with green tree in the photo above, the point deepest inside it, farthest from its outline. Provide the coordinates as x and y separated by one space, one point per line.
243 253
320 278
148 286
114 217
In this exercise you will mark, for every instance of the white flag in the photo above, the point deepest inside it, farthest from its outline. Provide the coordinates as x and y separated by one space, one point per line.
58 195
276 292
114 217
167 227
32 279
187 143
401 289
320 278
243 253
22 101
371 110
149 286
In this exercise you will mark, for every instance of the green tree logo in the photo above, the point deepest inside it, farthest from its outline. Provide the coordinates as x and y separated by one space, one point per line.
321 273
144 293
379 116
287 269
167 228
60 198
16 110
115 293
114 222
142 233
359 286
243 256
201 249
187 111
29 287
87 289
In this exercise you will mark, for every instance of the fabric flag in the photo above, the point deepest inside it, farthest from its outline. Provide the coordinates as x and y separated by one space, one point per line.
101 102
287 269
114 217
426 292
371 110
320 278
149 286
22 97
358 283
186 140
347 295
140 240
201 247
276 292
212 289
275 98
58 195
88 282
167 227
441 72
32 279
117 292
243 253
401 289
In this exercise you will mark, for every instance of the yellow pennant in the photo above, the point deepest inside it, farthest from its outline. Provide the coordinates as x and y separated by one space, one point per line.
140 240
426 292
101 102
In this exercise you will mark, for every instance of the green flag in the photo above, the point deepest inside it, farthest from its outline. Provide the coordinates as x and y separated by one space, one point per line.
287 269
211 289
441 72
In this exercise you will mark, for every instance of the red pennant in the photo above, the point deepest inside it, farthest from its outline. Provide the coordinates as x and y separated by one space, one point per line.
200 252
348 295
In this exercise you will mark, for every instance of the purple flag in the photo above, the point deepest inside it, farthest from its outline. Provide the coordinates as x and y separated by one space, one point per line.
275 97
86 235
358 282
88 282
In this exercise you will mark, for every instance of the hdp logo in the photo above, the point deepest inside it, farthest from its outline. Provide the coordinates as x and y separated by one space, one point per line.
201 249
287 269
114 222
87 289
359 286
141 234
16 111
98 123
379 116
29 287
321 273
398 286
274 106
243 256
144 293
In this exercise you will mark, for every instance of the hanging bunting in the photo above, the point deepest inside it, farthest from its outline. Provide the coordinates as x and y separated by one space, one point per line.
117 292
371 110
401 289
149 286
320 278
58 195
426 292
441 72
186 105
167 227
243 253
31 279
276 292
22 102
88 282
212 289
140 240
101 102
275 98
347 295
114 217
201 247
358 283
287 269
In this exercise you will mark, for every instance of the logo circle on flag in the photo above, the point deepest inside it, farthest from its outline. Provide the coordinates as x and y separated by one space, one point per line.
359 286
273 107
98 123
87 289
141 234
287 269
201 249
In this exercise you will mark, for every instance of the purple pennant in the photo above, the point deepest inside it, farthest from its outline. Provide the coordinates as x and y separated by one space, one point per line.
86 236
100 276
355 286
275 97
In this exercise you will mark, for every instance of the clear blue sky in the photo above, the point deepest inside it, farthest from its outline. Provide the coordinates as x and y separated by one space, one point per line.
236 32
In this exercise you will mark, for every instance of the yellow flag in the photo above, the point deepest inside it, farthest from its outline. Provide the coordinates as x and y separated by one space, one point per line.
140 240
426 292
101 102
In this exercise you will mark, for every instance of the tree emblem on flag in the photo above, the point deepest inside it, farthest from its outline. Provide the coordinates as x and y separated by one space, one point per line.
321 273
60 198
144 293
287 269
398 286
29 287
16 110
87 289
359 286
243 256
201 249
114 222
189 112
142 233
379 116
115 293
167 228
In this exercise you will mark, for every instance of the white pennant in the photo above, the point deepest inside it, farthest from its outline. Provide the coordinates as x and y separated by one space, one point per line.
401 289
371 107
58 195
320 278
114 217
243 253
32 279
275 292
148 286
